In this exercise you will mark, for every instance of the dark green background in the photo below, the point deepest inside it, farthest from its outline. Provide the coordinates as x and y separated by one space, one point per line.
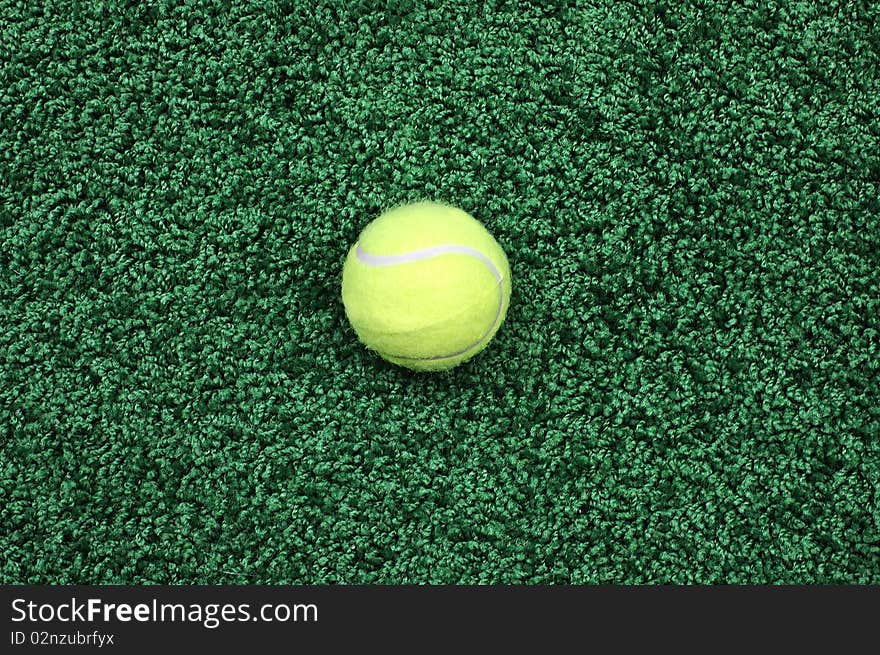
686 388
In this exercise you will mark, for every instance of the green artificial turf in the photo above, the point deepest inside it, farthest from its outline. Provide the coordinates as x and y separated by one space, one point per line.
687 386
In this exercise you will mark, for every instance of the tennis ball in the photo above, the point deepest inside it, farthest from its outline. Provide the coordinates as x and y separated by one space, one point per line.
426 286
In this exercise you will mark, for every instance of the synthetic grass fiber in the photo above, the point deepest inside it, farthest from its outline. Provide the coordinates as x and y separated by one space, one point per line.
686 388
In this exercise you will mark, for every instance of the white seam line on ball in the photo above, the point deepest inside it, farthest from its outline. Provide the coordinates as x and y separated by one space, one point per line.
370 259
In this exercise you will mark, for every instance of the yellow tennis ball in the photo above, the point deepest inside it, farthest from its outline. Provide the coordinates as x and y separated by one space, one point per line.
426 286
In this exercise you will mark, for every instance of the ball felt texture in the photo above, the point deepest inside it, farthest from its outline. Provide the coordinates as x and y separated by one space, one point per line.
426 286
